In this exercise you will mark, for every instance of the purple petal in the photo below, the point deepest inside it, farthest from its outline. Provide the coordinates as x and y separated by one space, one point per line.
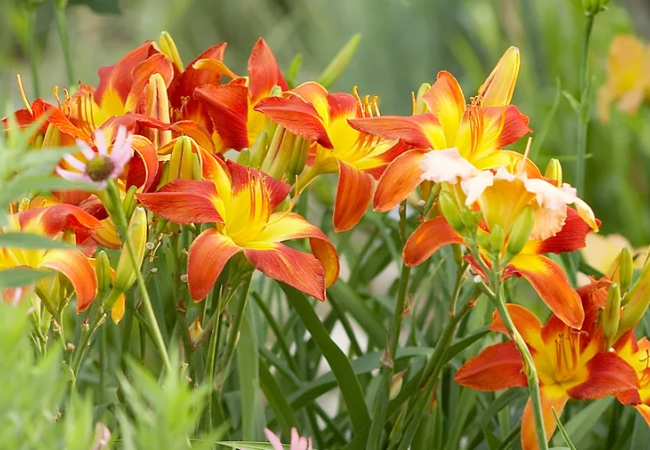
100 141
88 152
273 439
121 135
73 176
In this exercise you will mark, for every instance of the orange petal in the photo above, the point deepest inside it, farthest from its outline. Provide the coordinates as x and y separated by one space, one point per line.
446 101
552 285
572 236
528 435
158 63
353 196
497 367
197 132
56 117
192 78
76 267
297 116
144 166
227 106
184 202
56 218
527 323
117 78
423 130
608 374
500 84
214 65
263 72
427 239
207 257
342 107
401 177
297 269
315 94
511 160
503 126
283 227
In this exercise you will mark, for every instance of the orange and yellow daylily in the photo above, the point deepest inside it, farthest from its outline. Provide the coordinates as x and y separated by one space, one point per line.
240 201
637 354
52 221
628 76
312 113
478 130
570 363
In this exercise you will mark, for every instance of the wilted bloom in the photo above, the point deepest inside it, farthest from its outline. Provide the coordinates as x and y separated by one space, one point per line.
502 197
240 201
628 76
101 165
72 263
478 130
570 364
297 442
312 113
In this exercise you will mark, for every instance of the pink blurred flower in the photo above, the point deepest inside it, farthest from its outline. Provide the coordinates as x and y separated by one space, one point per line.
297 442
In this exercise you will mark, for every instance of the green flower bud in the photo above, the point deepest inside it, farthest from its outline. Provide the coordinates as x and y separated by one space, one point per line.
497 240
593 7
554 171
419 106
103 270
336 67
125 274
612 314
258 150
451 211
636 302
130 202
521 230
396 384
625 269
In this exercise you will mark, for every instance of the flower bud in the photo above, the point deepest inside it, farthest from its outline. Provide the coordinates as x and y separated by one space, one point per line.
258 150
336 67
593 7
180 163
130 202
625 269
244 157
419 105
117 311
451 211
497 239
197 172
396 384
157 106
471 219
103 270
125 274
168 47
612 314
554 171
298 159
521 230
636 302
195 330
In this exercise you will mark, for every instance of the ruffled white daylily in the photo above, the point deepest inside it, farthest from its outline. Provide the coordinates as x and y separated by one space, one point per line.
550 201
100 165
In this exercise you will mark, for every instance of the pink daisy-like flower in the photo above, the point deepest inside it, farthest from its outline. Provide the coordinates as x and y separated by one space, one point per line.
100 165
297 442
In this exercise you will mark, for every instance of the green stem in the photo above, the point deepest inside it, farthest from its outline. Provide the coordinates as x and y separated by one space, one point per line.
122 226
30 12
84 341
585 104
62 25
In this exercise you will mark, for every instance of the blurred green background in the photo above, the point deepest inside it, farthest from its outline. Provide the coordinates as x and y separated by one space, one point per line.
404 43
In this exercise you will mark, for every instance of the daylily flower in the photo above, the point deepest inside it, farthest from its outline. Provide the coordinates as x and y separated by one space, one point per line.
98 167
637 354
570 364
501 197
121 87
240 202
479 130
312 113
72 263
297 442
628 76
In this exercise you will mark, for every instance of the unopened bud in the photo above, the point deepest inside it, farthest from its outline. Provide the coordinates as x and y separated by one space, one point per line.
497 239
636 301
521 230
244 157
625 269
554 171
419 105
458 254
396 384
130 202
125 274
470 218
593 7
195 330
180 163
168 47
103 269
451 211
336 67
258 150
157 106
197 172
612 314
298 159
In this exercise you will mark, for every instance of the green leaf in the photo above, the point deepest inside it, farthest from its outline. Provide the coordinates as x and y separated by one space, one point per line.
248 445
583 422
99 6
21 276
29 241
249 382
336 67
563 432
338 362
277 399
20 186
